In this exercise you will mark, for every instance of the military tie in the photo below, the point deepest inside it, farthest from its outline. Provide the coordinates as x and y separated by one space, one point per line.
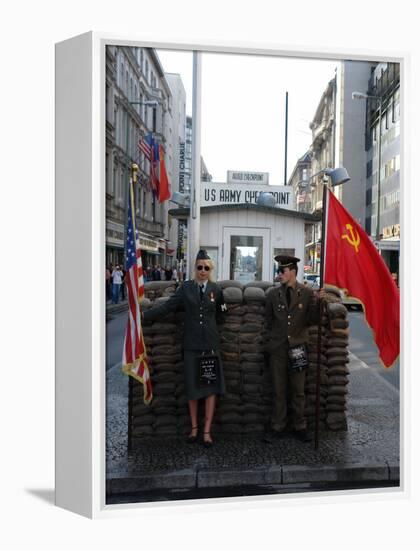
201 291
288 295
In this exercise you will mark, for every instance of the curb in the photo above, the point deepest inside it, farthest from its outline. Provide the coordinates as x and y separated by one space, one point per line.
281 476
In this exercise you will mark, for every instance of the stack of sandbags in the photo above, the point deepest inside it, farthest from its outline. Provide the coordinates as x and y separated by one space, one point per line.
311 374
247 403
158 289
337 369
142 418
255 409
334 371
229 412
164 352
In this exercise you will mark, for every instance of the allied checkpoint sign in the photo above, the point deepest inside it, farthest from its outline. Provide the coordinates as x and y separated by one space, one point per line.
216 194
235 176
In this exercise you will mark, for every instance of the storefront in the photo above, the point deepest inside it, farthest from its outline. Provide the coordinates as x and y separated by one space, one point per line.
243 239
389 248
114 243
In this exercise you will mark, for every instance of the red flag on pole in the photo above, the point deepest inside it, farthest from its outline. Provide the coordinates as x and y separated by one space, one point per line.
154 164
353 263
164 188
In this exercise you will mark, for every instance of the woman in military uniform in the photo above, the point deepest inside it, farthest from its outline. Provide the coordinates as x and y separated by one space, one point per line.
202 300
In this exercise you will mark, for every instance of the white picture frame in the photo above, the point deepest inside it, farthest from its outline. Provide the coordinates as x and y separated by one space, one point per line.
80 310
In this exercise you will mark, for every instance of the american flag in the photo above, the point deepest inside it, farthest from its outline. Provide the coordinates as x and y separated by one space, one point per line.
145 146
134 361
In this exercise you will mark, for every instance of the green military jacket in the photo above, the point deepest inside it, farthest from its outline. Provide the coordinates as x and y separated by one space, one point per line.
201 316
288 326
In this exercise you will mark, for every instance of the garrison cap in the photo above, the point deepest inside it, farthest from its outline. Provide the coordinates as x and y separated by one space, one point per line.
202 255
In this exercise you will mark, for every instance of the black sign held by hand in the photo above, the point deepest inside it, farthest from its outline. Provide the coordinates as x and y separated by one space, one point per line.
298 359
208 370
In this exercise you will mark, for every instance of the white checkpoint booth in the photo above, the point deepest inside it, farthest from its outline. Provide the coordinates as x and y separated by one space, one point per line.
243 239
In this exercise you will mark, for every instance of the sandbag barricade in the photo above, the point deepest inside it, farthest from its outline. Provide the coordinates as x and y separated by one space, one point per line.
246 406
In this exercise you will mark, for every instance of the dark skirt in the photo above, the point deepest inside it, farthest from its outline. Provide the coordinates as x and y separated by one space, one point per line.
192 388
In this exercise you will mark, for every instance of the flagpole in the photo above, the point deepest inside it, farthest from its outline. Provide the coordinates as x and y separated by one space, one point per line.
195 196
321 284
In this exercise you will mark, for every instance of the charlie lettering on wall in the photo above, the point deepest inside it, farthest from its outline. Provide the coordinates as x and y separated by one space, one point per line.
214 194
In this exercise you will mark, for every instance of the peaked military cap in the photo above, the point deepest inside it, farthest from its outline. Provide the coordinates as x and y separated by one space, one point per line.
287 261
202 255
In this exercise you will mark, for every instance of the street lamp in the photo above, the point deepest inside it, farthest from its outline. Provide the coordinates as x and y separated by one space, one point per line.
338 176
360 95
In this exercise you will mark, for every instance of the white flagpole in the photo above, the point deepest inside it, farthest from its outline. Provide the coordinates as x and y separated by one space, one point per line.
194 218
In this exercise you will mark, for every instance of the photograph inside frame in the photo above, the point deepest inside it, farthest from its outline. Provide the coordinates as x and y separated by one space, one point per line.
252 275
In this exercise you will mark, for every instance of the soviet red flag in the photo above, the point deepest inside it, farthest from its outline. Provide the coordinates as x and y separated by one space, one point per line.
164 187
352 263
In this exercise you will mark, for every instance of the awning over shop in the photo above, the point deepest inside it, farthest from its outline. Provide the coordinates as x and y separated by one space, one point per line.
392 243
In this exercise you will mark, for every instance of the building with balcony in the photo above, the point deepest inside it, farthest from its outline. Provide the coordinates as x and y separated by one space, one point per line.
350 135
321 153
138 101
300 181
383 141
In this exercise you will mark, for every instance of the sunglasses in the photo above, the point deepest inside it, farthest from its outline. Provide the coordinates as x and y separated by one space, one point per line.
280 270
201 267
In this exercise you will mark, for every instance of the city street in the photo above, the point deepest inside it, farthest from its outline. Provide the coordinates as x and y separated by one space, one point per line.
364 347
115 330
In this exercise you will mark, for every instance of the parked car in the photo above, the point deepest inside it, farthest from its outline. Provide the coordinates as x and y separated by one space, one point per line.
311 279
351 303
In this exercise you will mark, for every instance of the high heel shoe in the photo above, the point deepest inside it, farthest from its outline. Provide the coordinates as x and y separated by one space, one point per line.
193 438
207 443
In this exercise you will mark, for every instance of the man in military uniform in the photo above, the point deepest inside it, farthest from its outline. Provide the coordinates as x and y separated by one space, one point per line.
290 309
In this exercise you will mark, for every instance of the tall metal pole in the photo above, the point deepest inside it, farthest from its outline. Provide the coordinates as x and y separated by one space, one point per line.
127 174
378 206
195 197
321 284
286 138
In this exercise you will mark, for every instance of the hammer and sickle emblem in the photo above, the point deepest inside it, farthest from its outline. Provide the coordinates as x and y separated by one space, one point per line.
355 237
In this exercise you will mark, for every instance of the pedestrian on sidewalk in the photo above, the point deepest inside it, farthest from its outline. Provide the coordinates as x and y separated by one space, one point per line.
117 275
168 273
202 300
123 285
290 309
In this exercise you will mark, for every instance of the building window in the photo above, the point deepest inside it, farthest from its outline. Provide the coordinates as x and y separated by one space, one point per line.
121 75
154 120
396 107
383 124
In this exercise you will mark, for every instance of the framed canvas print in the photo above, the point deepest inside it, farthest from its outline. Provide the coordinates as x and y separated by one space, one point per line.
244 205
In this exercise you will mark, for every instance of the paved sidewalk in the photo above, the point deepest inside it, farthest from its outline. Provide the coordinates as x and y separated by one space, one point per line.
367 455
